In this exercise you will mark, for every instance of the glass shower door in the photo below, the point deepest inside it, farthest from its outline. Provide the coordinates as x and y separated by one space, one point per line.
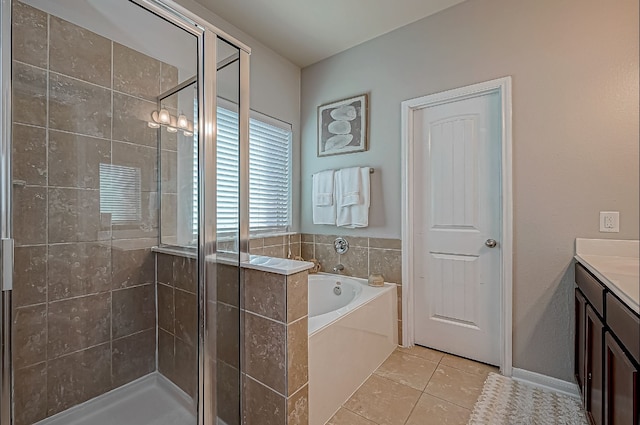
125 304
85 184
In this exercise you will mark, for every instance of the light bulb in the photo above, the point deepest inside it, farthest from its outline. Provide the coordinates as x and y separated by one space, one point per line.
164 117
183 122
172 129
187 133
152 124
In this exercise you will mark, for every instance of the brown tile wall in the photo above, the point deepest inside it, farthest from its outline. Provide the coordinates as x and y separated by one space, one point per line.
276 246
84 297
276 373
177 282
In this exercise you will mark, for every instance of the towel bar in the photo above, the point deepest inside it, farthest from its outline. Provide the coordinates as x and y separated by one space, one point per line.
371 170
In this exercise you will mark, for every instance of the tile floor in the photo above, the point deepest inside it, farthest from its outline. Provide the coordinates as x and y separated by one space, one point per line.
416 386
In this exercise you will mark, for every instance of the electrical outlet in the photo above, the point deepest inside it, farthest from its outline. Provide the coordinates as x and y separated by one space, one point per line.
610 221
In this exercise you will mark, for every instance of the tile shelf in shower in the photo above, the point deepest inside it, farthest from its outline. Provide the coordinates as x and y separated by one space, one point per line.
275 265
177 251
263 263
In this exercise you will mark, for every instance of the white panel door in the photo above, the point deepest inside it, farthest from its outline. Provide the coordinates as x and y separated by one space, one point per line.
458 206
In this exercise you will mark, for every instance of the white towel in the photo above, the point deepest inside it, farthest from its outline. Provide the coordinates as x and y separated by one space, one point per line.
350 214
322 194
349 184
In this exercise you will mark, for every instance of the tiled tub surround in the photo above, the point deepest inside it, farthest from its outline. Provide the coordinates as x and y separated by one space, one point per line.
276 375
276 246
365 256
84 293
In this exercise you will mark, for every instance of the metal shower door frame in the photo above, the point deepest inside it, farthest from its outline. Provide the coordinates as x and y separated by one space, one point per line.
6 236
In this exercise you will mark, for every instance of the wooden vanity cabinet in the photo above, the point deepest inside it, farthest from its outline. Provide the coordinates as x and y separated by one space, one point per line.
593 385
607 353
621 385
579 351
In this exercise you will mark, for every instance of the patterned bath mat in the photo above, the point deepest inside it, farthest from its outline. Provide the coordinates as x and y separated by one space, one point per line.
505 401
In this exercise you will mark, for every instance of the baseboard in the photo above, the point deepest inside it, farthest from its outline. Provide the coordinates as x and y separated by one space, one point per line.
546 382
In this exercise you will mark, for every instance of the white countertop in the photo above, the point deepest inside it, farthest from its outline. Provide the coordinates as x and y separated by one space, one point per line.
615 263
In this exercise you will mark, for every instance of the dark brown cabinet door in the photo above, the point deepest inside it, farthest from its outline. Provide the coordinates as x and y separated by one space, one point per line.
621 386
593 386
579 339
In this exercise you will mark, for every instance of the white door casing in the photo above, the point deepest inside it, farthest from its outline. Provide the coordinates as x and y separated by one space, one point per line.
456 196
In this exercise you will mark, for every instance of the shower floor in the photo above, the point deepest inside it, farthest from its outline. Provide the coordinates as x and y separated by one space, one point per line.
150 400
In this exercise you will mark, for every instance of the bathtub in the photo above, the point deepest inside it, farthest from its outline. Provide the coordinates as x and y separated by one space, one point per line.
352 330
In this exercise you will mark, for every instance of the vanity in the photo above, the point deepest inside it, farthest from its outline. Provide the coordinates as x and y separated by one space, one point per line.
607 333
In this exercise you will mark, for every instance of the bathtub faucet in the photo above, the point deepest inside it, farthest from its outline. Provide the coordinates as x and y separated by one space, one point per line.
338 268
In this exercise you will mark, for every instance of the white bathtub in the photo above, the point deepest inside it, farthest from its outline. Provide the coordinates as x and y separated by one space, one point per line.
350 335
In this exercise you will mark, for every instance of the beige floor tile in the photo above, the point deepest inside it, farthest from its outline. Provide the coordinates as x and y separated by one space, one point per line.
455 386
383 401
407 369
347 417
467 365
423 352
434 411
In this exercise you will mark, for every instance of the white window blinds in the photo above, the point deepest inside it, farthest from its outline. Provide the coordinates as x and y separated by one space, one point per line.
269 176
269 173
120 193
227 170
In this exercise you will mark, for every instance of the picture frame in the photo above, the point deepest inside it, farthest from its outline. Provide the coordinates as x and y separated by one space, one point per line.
343 126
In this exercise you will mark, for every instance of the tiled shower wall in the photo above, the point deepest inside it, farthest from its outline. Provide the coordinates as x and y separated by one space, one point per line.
177 284
84 298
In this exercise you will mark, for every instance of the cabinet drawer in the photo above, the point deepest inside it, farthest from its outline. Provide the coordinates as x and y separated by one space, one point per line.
591 288
624 324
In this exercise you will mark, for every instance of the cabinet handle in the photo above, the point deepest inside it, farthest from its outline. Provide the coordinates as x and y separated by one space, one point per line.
589 376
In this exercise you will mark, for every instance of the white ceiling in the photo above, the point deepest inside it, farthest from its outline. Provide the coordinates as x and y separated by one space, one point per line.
306 32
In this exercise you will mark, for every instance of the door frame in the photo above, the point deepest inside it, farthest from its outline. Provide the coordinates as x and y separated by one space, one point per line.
502 86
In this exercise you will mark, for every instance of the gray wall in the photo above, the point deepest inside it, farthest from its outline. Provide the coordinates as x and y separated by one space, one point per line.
275 88
575 133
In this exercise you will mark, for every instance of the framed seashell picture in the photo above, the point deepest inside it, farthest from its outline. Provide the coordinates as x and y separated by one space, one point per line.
343 126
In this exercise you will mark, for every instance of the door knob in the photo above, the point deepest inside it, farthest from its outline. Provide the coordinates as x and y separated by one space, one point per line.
491 243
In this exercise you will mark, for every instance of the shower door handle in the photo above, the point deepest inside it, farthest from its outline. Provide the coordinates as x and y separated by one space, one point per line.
6 264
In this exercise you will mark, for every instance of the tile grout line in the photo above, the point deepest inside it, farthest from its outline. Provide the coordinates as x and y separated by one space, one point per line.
71 77
414 407
449 401
355 413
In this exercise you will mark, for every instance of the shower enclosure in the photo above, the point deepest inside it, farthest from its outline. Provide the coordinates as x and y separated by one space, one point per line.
120 278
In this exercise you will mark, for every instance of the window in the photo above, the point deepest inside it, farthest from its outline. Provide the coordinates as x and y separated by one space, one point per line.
120 193
269 173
